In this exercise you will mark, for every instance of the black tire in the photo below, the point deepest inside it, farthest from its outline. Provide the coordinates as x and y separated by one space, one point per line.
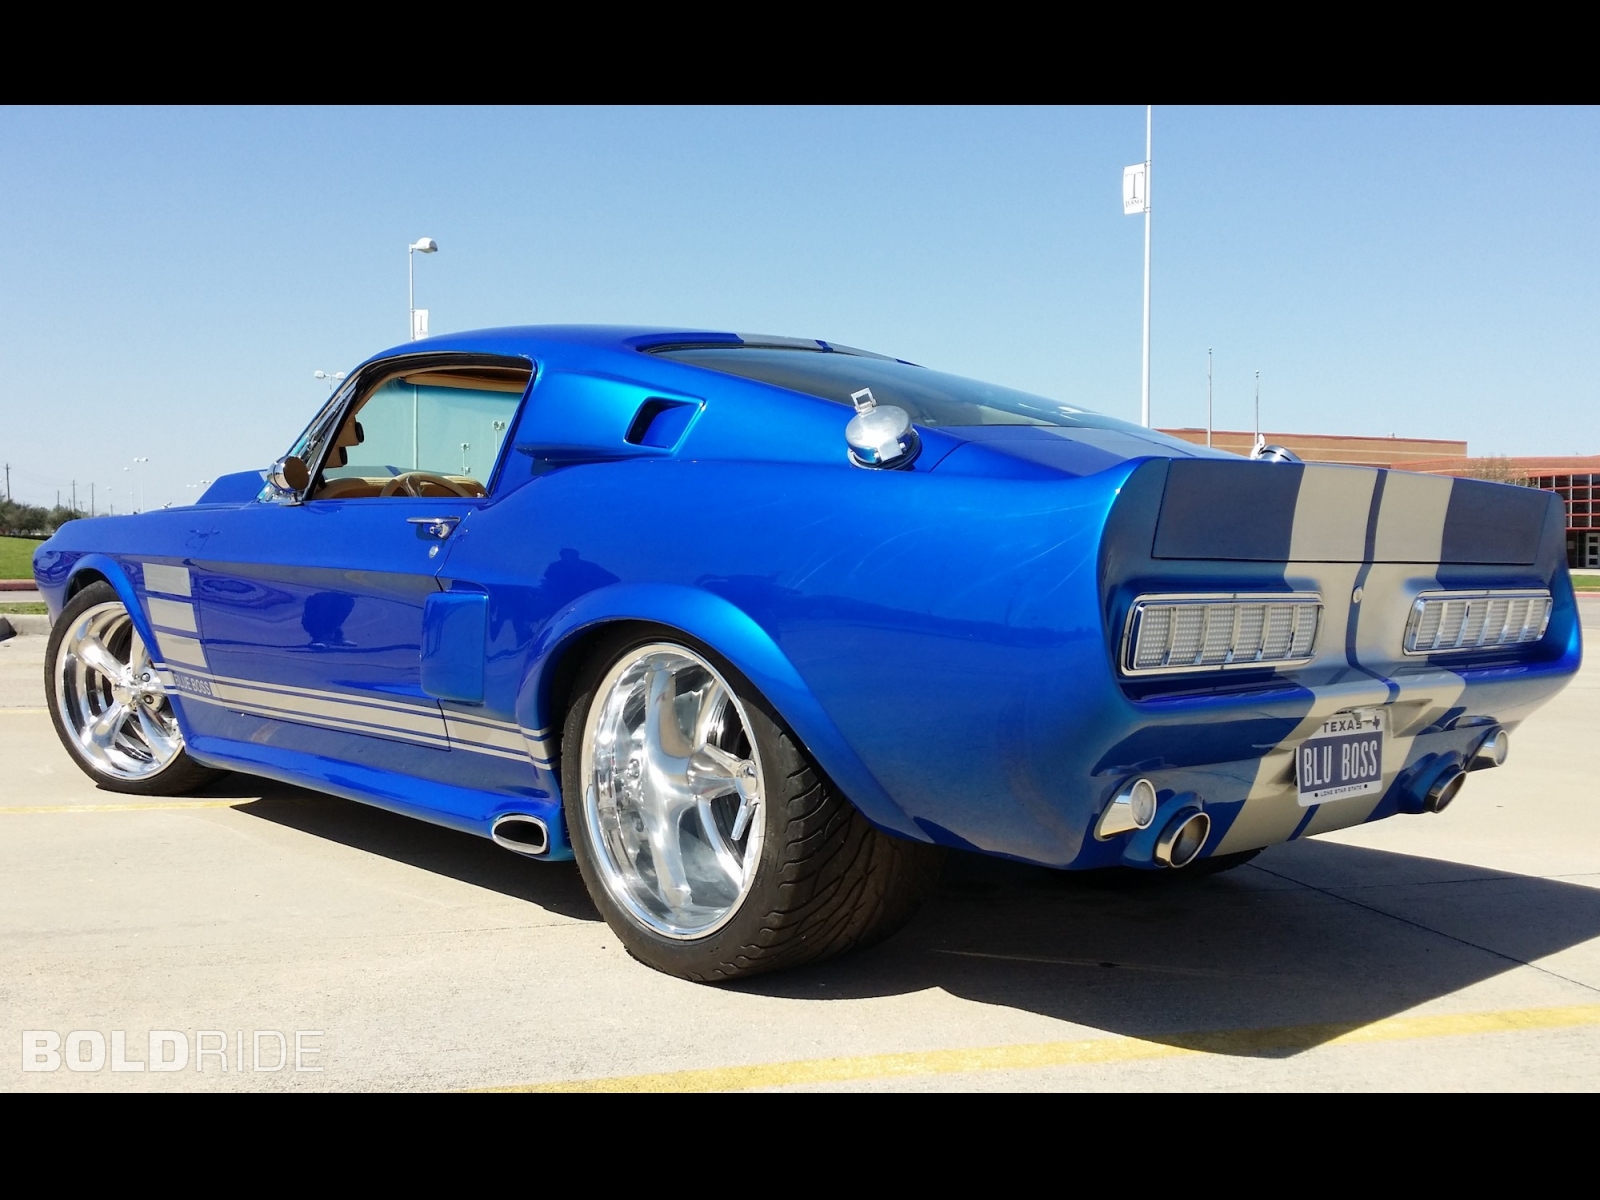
179 775
827 881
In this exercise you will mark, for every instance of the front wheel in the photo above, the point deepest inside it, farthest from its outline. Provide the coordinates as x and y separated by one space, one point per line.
709 840
109 707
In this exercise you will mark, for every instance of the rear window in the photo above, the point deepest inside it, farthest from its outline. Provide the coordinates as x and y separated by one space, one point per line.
932 398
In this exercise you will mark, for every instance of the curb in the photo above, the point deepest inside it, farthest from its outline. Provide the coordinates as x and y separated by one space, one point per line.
26 624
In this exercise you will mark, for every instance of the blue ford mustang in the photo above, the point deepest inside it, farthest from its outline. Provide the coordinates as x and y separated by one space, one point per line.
754 627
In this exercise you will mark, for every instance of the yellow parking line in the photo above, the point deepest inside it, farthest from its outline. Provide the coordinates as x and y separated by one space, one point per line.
158 806
22 712
1073 1054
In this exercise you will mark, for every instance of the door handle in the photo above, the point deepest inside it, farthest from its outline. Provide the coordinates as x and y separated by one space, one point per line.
437 528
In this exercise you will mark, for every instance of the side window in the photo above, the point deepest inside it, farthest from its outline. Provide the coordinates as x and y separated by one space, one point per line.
434 431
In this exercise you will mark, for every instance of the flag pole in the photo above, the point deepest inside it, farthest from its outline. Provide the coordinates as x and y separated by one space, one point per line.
1208 397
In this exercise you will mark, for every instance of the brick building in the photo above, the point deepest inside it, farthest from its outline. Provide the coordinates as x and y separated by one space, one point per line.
1395 452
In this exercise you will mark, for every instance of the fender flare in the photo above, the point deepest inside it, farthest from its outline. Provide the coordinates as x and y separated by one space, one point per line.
117 576
735 635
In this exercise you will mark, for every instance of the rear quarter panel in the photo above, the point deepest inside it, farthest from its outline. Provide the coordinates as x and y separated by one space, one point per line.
943 633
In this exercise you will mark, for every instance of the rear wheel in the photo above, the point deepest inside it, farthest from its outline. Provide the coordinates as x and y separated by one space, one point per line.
109 708
709 840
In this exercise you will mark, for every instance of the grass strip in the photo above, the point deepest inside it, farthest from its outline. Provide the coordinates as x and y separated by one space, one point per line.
16 557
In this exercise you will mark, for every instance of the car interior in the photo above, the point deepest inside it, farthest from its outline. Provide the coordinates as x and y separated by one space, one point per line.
435 431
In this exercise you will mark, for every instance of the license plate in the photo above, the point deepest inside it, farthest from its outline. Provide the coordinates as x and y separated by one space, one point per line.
1343 758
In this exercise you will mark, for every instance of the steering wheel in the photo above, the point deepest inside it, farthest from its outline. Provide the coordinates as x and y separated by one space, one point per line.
409 483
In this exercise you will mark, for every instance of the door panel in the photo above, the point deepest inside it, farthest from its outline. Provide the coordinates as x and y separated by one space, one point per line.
312 615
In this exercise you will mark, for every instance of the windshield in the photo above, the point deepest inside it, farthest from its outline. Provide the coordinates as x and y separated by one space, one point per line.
309 444
932 398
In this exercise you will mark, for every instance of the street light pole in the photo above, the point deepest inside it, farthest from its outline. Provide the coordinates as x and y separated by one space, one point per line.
138 462
420 246
1208 397
1135 200
1259 442
1146 390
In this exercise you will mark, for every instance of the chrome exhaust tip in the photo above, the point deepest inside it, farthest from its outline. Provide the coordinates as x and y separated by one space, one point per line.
1184 837
1444 790
1133 807
1491 752
520 834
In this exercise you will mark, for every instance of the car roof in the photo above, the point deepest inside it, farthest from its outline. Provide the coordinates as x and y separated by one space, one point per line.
628 339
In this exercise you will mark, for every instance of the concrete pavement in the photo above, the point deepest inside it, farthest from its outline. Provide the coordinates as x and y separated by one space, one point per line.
1455 951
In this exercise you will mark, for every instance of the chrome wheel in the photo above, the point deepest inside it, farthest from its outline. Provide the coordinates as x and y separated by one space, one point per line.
109 698
673 791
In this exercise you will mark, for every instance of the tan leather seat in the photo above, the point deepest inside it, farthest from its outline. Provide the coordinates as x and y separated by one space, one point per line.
346 489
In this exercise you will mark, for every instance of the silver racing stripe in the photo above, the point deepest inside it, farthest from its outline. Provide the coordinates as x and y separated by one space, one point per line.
235 703
417 720
171 614
1411 518
541 746
174 581
1330 514
355 717
373 717
1410 526
1333 519
487 731
1271 810
368 699
485 735
176 648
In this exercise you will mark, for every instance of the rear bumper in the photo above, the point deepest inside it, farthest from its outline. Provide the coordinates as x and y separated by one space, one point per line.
1366 543
1435 722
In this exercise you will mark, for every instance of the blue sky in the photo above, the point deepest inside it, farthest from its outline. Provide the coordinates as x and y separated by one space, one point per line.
170 279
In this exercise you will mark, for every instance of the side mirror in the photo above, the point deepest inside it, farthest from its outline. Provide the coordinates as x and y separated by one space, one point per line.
289 476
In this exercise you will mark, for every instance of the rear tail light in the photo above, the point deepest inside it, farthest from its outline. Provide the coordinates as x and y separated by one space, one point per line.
1450 622
1215 632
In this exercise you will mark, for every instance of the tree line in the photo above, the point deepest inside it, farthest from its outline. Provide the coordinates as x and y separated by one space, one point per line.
34 520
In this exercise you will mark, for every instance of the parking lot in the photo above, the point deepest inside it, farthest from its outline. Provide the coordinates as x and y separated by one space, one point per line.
1451 951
